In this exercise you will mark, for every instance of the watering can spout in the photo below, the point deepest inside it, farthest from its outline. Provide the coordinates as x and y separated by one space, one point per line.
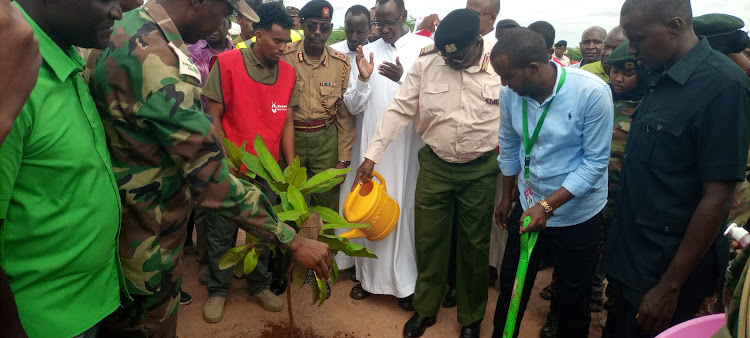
353 233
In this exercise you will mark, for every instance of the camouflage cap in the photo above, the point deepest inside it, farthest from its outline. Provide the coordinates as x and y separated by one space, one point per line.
292 10
244 9
714 24
620 58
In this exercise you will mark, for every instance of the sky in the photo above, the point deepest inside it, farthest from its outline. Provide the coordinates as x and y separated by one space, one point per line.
570 18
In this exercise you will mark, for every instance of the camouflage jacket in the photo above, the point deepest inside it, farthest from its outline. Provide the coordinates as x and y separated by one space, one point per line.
623 115
165 152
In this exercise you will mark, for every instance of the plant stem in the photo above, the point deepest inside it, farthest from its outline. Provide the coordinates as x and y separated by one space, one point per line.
289 297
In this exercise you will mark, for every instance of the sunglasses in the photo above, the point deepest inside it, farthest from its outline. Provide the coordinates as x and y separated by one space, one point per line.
390 24
314 26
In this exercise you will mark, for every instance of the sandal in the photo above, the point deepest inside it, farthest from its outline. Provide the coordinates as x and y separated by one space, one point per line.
359 293
406 303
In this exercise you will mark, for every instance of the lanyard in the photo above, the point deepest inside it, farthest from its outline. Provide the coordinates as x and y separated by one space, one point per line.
529 143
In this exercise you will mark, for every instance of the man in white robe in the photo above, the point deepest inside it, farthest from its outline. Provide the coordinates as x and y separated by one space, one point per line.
395 272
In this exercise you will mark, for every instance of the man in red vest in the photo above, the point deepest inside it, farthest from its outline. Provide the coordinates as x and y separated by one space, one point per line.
250 92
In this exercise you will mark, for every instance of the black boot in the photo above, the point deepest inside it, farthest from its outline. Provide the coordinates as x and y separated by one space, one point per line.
416 325
450 298
471 331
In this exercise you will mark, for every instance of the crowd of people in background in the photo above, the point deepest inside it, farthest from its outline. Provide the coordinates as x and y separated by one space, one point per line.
628 163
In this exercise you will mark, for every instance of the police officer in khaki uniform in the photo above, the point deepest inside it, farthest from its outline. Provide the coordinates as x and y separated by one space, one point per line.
324 128
451 94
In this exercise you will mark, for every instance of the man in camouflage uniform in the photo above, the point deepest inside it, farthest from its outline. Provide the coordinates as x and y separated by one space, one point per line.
166 156
324 128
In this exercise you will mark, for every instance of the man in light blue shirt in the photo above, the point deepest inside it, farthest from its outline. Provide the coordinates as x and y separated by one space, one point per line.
555 135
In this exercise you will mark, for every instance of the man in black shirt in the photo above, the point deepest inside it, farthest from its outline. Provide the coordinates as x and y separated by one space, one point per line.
686 151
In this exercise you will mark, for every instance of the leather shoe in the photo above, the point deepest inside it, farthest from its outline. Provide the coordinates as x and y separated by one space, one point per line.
450 298
549 330
471 331
416 325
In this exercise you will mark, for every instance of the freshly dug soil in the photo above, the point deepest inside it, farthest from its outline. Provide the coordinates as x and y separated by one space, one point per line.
340 317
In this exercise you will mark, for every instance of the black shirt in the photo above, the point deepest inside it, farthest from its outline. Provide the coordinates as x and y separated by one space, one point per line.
691 127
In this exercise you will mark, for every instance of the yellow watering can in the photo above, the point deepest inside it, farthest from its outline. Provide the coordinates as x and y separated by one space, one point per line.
369 203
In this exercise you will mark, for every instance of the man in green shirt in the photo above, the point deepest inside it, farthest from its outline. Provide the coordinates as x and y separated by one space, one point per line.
59 201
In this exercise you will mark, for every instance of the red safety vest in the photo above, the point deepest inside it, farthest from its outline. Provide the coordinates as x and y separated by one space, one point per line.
251 107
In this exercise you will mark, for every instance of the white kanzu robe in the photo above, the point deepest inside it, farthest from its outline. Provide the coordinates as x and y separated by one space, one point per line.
395 272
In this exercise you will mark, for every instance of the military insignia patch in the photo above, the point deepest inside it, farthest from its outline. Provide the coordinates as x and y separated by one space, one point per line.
326 13
450 48
629 65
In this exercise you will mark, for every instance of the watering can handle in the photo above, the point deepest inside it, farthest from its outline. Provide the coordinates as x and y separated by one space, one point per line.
349 201
380 179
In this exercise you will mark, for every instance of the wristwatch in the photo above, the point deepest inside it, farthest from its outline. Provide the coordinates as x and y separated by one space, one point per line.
547 208
346 163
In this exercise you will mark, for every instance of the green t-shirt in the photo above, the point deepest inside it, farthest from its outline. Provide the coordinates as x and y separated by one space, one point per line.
597 69
60 203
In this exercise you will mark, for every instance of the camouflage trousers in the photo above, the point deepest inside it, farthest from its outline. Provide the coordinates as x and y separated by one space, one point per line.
153 315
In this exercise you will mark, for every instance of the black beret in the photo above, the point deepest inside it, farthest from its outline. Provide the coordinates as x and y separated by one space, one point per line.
317 9
457 31
713 24
561 43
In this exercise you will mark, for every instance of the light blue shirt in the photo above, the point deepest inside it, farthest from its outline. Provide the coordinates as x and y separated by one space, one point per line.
573 147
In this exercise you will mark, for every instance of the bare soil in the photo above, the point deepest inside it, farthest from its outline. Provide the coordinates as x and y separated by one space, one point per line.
340 316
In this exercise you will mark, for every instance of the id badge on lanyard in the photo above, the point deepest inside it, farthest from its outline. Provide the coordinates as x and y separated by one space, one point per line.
528 142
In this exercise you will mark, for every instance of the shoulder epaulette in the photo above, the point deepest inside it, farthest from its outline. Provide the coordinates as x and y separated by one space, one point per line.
428 50
291 47
337 54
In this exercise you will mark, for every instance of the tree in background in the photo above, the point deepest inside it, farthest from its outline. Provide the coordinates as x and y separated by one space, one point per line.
574 53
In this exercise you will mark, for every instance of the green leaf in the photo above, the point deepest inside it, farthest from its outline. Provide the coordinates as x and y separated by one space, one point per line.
334 273
285 201
296 199
323 187
233 156
253 164
233 256
315 291
293 215
346 246
278 187
251 261
238 270
278 208
268 161
322 178
345 226
323 290
299 275
328 215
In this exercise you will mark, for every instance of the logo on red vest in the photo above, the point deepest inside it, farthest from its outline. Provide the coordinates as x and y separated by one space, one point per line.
278 107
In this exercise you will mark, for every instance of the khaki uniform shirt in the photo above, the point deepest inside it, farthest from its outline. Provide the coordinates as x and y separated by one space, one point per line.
212 88
321 85
456 112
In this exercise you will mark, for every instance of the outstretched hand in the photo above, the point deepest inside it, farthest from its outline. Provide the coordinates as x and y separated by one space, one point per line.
365 67
392 71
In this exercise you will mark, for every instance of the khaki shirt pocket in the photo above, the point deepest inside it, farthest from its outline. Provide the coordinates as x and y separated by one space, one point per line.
329 95
436 98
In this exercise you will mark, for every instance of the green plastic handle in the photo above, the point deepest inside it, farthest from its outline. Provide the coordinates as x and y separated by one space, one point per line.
528 241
